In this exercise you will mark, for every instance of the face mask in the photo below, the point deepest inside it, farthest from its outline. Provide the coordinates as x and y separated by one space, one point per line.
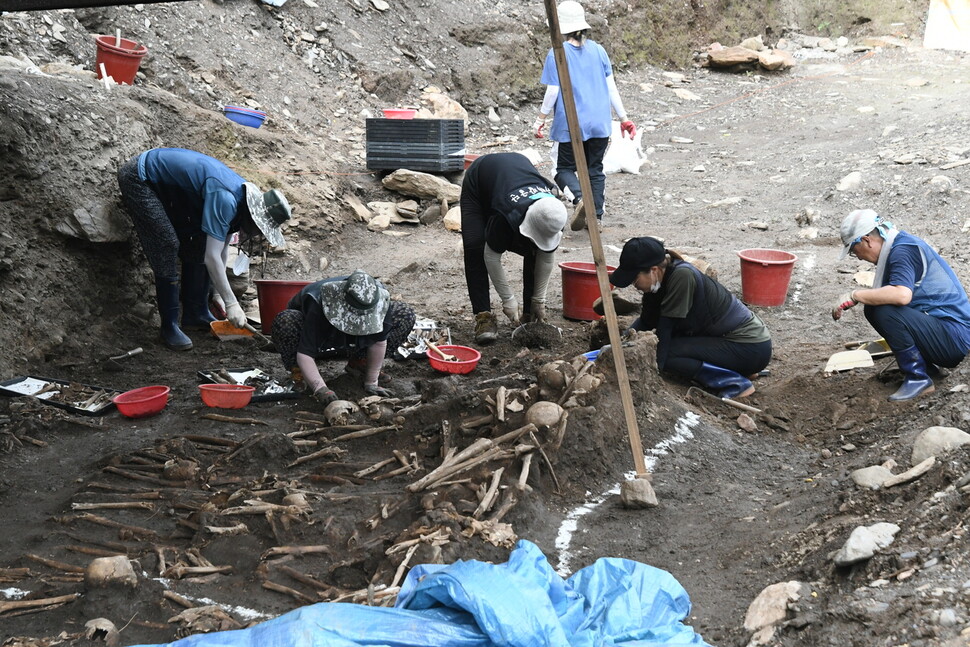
655 288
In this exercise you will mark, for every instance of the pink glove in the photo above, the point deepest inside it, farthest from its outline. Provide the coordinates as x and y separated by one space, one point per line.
627 127
539 124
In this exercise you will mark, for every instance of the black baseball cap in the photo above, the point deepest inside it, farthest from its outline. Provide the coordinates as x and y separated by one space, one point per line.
638 255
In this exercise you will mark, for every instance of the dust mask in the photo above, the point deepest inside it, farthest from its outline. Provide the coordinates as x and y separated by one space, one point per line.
655 288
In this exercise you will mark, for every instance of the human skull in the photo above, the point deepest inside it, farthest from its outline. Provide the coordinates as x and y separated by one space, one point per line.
340 412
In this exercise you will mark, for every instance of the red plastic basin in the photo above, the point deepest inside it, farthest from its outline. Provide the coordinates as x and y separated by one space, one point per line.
143 402
467 359
226 396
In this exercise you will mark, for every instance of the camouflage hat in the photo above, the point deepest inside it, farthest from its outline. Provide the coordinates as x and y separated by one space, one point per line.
269 210
357 305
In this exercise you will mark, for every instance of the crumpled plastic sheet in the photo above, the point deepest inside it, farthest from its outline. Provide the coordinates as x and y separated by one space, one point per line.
521 603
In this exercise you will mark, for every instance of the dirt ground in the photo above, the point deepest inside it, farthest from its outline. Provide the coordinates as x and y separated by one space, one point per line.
754 161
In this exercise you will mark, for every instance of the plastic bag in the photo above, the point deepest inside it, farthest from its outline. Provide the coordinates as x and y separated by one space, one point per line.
624 155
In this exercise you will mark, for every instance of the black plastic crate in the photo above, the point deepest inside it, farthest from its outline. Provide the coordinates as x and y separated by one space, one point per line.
416 144
416 131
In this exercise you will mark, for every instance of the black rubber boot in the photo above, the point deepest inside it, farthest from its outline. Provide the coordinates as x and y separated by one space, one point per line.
916 380
167 292
195 297
725 383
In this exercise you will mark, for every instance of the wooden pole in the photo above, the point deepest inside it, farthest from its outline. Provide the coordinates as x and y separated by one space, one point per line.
602 278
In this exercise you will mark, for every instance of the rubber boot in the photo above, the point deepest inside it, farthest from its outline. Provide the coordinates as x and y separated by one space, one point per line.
167 292
725 383
916 381
195 297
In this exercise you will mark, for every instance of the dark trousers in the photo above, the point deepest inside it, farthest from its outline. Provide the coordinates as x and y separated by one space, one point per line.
474 222
903 327
594 149
686 355
288 325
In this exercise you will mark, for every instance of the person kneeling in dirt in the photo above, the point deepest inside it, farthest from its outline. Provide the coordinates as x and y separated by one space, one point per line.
506 205
345 316
704 333
916 303
185 205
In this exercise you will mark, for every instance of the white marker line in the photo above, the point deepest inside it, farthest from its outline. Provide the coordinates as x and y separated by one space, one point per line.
682 433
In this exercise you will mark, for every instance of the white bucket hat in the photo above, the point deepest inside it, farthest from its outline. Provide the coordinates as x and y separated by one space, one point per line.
544 222
572 17
859 223
269 210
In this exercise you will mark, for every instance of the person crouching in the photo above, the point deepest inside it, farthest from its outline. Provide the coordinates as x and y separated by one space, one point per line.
704 333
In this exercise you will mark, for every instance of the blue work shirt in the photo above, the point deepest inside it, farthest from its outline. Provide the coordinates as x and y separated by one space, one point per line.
937 291
589 67
200 193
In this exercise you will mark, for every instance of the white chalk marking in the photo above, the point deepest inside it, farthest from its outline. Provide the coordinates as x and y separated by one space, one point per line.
569 525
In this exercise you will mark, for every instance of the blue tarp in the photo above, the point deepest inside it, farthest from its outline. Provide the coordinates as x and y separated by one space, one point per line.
521 603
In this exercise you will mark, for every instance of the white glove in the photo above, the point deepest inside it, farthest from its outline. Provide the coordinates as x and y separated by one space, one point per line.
511 310
538 311
537 126
236 316
845 302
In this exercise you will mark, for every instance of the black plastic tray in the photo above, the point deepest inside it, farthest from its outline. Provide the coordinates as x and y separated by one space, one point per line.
60 405
206 376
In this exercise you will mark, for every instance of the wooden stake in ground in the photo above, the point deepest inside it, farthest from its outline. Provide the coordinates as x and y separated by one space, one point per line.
642 494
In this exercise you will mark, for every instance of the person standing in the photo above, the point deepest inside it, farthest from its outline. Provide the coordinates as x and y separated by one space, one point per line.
595 94
704 333
345 316
916 302
507 206
184 206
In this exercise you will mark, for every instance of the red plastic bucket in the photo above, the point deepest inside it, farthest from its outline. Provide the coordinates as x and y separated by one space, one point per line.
273 297
580 289
120 61
765 275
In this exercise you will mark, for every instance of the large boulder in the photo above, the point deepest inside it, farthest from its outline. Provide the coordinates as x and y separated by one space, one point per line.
422 185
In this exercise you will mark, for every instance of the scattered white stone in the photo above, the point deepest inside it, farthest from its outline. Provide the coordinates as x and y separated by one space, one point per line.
676 77
865 109
637 493
727 202
850 182
941 183
916 82
686 95
770 609
746 423
380 5
380 222
936 441
452 219
808 233
681 140
871 477
699 169
755 44
757 224
864 542
808 216
905 158
493 116
864 278
422 185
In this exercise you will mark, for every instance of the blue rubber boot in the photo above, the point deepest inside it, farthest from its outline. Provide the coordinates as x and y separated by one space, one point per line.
725 383
195 297
167 292
916 381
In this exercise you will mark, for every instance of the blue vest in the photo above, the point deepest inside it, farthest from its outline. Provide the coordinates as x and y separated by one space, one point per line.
938 292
